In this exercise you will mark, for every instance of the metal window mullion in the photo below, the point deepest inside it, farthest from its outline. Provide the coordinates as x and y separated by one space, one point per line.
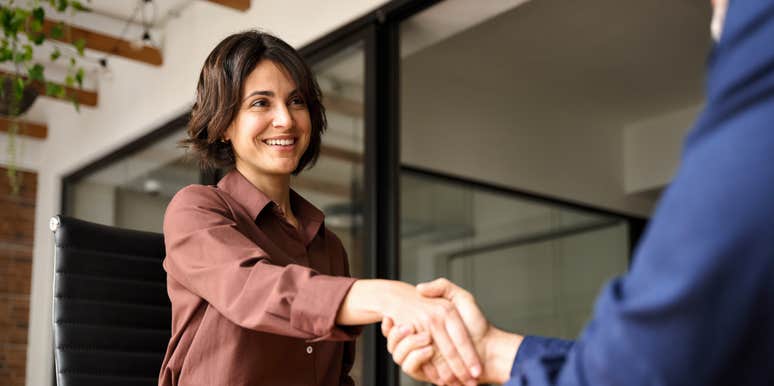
382 177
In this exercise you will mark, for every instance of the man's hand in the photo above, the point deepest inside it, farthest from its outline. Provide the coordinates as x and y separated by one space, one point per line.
495 347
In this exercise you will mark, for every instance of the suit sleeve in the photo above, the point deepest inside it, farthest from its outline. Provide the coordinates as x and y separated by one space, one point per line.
208 255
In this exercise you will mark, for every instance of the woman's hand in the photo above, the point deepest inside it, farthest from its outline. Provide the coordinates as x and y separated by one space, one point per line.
458 360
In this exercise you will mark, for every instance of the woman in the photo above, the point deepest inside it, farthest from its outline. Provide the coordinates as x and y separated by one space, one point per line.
258 285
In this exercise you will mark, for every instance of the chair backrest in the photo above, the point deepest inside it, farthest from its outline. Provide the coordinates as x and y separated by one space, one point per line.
111 312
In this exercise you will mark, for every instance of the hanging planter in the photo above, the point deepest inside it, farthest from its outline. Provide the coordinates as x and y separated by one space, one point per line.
13 105
22 24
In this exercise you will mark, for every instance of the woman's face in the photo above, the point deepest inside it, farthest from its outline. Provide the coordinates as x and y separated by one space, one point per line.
272 128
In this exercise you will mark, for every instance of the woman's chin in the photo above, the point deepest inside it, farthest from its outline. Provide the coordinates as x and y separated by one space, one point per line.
285 169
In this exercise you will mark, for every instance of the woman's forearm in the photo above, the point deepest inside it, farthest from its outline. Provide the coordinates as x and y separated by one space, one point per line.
369 299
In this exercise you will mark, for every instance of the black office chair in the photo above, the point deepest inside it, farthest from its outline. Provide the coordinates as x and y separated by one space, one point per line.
111 313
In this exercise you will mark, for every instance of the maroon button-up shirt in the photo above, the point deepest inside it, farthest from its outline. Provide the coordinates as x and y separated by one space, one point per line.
254 300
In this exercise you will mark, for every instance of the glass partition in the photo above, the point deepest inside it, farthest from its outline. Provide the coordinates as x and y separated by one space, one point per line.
534 267
133 191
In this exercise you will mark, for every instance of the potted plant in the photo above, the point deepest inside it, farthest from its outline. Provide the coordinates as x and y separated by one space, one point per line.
23 75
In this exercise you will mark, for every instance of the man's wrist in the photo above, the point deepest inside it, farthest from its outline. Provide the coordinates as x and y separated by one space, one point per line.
501 348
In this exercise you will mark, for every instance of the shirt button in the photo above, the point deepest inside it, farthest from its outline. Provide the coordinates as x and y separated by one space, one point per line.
309 349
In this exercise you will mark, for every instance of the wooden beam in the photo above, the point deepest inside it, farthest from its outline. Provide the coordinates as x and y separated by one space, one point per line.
343 106
30 129
241 5
84 97
107 44
341 154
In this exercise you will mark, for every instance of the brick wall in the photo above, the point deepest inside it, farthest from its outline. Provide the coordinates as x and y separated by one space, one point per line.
17 218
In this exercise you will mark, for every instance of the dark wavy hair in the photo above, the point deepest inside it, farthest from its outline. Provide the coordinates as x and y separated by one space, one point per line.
220 89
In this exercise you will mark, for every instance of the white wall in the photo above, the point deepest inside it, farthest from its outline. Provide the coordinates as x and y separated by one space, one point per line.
454 125
94 202
137 99
652 149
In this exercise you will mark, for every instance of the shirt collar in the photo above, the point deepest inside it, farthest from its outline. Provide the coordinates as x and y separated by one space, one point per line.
255 201
310 218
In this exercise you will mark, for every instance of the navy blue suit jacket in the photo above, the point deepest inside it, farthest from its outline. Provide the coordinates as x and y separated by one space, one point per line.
697 306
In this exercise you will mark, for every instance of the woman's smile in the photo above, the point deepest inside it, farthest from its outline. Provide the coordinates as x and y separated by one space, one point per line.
281 144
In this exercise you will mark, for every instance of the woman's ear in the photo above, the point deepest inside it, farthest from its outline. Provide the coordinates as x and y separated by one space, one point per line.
227 133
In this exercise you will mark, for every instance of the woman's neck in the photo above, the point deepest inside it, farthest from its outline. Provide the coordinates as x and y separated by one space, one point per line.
275 186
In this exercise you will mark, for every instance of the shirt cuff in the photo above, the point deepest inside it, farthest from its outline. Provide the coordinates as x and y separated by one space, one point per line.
316 305
537 347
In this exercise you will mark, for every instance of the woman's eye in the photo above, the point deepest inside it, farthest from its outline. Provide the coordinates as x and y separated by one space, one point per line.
297 101
259 103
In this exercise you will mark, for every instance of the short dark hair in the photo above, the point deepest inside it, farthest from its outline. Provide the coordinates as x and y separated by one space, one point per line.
219 93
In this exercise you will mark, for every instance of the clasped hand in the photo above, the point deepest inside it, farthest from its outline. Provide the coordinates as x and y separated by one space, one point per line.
458 328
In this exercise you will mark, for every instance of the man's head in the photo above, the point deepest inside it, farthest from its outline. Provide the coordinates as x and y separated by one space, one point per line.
718 17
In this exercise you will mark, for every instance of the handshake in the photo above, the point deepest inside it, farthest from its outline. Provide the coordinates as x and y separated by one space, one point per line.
445 339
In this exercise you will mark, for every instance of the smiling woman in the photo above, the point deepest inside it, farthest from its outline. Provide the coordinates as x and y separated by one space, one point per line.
259 286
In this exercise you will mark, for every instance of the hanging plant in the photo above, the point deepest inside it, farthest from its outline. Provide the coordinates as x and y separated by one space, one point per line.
23 76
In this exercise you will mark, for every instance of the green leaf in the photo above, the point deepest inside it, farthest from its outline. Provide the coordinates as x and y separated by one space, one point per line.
57 31
79 77
27 52
35 26
78 6
77 105
38 14
36 72
6 54
72 62
55 90
80 45
69 81
38 38
18 88
55 54
61 5
20 16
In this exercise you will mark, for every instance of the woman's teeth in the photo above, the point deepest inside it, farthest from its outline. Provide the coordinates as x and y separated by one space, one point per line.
280 142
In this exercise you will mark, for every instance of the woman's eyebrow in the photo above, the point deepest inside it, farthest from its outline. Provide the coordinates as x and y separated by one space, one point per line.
263 92
266 93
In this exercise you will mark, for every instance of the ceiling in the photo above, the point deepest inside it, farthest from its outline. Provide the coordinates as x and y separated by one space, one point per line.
599 62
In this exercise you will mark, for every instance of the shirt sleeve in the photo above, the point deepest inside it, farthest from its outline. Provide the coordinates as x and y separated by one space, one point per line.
208 255
698 289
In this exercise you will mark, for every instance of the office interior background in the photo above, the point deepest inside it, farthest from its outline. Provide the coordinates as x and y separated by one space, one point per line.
516 147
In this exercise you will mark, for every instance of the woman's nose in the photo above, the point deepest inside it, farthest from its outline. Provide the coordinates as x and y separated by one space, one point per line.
282 117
